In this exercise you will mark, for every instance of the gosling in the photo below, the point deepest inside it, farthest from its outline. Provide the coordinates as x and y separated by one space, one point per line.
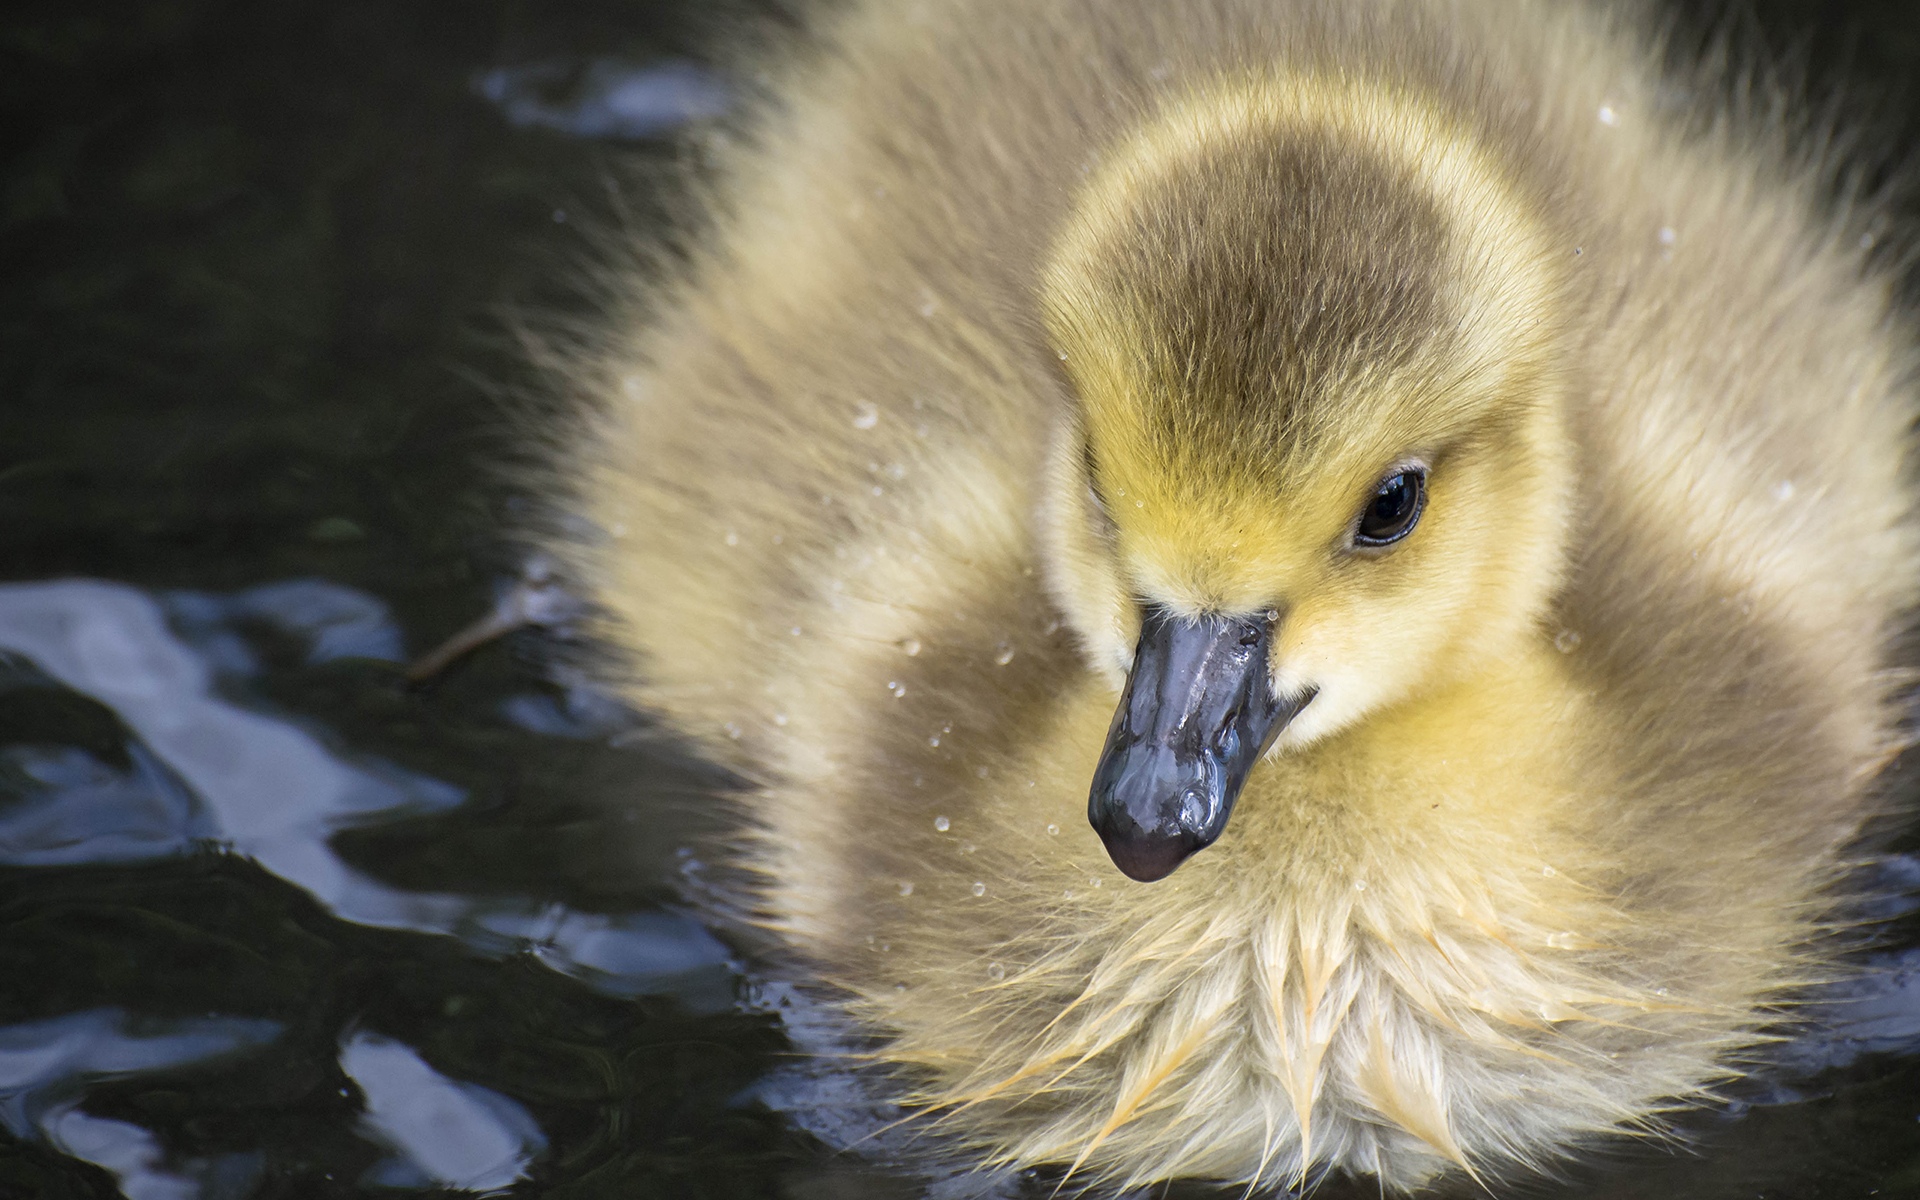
1304 586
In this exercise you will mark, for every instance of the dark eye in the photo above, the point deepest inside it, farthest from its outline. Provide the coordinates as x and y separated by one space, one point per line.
1394 509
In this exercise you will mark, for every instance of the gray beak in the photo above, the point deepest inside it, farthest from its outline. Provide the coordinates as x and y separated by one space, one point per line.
1197 713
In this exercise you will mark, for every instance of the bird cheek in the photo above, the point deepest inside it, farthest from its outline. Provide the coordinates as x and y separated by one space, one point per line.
1356 656
1299 663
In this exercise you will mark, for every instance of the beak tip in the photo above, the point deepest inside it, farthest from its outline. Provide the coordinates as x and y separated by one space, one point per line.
1147 858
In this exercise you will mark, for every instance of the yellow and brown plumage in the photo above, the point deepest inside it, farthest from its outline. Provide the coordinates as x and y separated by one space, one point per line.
1018 325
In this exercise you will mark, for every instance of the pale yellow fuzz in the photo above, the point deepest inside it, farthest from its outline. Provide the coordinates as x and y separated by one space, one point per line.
991 342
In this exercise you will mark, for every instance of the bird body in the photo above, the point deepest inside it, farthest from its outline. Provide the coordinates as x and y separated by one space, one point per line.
1021 333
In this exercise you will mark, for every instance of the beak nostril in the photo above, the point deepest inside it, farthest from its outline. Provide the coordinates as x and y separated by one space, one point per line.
1226 740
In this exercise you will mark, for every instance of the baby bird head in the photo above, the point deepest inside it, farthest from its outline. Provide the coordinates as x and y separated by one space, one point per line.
1315 461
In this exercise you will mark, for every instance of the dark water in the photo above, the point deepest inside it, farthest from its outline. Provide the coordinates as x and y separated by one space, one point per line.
273 924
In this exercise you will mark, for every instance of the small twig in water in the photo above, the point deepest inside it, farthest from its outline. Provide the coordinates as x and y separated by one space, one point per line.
536 598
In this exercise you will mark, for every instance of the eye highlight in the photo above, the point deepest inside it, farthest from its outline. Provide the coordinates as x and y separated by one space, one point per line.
1394 508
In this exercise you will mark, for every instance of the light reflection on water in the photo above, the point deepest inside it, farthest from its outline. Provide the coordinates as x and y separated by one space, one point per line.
265 787
45 1067
204 771
443 1132
609 99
